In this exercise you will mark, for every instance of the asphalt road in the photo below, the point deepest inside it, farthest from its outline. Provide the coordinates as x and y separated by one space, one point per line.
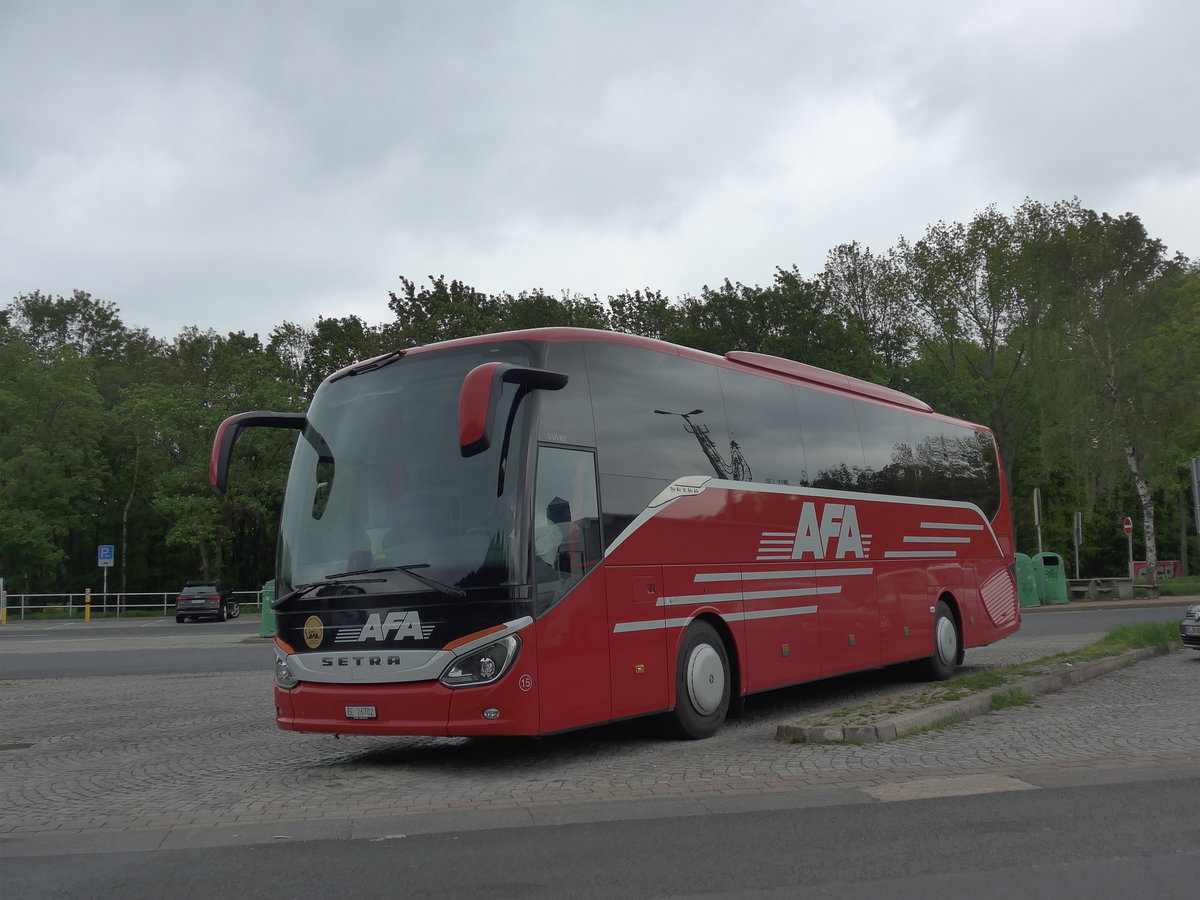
19 632
1050 620
180 786
77 649
138 647
1113 841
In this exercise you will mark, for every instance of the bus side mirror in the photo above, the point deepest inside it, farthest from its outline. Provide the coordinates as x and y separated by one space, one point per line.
231 429
480 395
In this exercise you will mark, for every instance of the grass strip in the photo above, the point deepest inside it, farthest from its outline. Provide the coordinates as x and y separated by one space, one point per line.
1116 642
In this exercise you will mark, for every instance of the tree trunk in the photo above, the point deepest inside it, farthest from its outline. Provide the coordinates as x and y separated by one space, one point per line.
1183 533
1147 501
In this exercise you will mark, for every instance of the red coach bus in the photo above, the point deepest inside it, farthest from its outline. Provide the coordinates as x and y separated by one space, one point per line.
530 532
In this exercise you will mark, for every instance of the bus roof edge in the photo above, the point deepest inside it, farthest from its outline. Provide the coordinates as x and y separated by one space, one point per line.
826 378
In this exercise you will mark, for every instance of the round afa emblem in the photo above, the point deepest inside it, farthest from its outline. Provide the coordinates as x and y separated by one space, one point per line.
526 683
314 632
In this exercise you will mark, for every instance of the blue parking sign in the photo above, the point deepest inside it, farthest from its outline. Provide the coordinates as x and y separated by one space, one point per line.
104 555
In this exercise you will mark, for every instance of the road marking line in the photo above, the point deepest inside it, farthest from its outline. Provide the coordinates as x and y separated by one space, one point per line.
948 786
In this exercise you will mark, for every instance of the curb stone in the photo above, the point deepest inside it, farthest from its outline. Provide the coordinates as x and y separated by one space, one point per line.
899 726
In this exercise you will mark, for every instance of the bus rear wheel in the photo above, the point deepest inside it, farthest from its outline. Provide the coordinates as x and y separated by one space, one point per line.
702 683
944 660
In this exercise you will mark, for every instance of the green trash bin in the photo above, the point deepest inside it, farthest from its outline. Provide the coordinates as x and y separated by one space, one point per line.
267 628
1052 578
1027 584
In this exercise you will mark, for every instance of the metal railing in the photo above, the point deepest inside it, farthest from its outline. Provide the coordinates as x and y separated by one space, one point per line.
70 606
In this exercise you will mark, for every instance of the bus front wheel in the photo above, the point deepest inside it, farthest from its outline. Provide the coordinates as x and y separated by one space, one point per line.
944 660
702 683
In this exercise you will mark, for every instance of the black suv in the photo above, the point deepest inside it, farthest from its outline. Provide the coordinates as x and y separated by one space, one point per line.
206 599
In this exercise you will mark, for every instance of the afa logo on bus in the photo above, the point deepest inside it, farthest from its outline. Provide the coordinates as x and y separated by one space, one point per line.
834 534
399 625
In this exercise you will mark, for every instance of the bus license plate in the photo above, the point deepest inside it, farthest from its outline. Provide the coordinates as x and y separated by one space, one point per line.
360 712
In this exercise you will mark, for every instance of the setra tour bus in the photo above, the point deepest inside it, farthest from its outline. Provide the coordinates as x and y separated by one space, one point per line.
536 531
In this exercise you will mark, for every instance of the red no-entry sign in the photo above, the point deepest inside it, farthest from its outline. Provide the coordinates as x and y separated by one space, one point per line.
1128 525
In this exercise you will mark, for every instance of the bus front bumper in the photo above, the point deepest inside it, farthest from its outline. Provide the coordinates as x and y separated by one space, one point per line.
414 708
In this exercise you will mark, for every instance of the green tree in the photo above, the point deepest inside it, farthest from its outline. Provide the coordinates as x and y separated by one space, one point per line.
730 317
1107 269
537 309
63 333
649 314
442 311
811 332
307 356
52 470
203 379
978 290
869 294
48 324
1172 355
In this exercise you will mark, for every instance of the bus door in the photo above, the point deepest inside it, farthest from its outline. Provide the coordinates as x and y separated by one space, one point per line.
572 628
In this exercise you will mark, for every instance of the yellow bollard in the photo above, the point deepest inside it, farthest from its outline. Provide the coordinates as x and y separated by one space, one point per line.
87 605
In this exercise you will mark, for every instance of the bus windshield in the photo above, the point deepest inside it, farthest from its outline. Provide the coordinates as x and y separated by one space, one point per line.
380 498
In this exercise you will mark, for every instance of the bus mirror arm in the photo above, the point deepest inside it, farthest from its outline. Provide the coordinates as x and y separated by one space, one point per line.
231 429
480 395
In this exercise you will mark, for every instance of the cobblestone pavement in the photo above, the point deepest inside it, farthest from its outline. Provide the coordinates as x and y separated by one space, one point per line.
122 754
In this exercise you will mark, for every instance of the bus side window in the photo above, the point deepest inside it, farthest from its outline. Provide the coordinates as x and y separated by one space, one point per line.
833 450
566 521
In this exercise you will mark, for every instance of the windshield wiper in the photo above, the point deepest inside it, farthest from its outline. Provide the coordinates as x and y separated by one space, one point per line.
370 365
305 588
439 586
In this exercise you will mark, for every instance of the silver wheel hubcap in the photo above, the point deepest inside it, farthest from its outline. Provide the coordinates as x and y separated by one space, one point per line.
947 640
705 679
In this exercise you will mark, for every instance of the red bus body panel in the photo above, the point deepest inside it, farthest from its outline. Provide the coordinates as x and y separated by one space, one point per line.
803 583
797 605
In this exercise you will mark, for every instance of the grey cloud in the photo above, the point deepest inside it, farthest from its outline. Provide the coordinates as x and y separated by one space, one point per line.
236 164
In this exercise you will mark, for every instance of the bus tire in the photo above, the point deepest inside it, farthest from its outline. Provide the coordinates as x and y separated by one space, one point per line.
946 644
702 683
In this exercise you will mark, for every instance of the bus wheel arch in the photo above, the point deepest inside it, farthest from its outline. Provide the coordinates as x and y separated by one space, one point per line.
948 649
704 681
737 698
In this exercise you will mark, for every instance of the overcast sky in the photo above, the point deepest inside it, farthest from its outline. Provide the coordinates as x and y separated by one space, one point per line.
237 164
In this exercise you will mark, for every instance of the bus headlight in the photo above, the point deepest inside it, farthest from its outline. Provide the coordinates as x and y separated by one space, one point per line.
483 666
283 674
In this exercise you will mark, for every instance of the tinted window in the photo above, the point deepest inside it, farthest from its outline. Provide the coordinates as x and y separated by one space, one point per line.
976 478
566 521
832 447
886 450
764 429
656 415
566 415
933 463
623 498
954 462
378 479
